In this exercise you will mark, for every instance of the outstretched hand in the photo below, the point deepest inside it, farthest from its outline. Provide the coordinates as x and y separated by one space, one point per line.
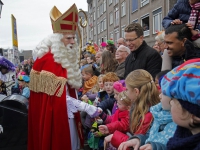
107 140
146 147
103 129
134 143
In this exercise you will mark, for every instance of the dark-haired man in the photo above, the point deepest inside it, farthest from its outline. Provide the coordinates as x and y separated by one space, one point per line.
178 44
142 56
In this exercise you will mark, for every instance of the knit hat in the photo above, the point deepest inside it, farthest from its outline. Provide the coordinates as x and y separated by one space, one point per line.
110 42
103 44
183 83
24 78
119 86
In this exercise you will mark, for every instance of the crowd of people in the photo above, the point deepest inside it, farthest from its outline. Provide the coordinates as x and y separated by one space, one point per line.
123 96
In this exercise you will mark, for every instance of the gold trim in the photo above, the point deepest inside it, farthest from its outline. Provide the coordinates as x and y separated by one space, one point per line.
47 82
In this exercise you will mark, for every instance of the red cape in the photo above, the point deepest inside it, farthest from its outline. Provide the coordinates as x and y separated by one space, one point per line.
48 127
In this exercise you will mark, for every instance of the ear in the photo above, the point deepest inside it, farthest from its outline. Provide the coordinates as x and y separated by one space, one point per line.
137 91
184 40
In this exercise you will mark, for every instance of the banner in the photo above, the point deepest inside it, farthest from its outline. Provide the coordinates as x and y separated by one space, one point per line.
14 31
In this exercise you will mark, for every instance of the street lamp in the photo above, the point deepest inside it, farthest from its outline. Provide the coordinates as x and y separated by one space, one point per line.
1 4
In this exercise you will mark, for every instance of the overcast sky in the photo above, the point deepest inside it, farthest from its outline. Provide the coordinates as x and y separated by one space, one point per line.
33 22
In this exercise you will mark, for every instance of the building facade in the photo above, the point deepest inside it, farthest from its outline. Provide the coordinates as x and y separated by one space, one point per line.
107 19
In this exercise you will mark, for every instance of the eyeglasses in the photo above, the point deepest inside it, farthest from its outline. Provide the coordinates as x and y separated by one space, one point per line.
131 40
120 51
159 44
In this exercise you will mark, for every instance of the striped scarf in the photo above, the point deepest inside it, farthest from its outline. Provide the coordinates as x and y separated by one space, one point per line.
194 19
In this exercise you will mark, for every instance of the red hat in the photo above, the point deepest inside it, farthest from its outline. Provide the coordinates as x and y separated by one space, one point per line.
66 22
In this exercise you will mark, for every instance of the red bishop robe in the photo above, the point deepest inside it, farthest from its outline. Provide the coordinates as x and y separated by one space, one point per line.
48 127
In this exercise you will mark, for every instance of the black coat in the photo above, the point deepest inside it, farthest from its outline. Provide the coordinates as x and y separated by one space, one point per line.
145 57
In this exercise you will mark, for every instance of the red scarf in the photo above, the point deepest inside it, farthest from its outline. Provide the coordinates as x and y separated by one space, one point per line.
194 19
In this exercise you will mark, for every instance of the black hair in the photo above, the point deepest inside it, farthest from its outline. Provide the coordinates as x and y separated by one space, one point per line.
181 29
162 73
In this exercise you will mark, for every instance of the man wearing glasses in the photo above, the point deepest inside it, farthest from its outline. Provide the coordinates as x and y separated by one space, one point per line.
142 56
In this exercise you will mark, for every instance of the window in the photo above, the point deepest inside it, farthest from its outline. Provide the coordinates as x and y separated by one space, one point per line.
110 2
116 36
116 16
105 38
105 24
94 16
144 2
123 28
116 2
91 33
94 30
104 5
136 20
123 9
99 41
98 12
111 35
101 9
111 18
102 40
99 28
145 24
102 25
157 20
134 5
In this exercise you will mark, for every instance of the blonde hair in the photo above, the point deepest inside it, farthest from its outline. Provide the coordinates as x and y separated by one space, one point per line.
96 87
124 98
148 96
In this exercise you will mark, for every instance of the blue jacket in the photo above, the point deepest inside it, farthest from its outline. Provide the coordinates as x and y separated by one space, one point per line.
161 130
181 10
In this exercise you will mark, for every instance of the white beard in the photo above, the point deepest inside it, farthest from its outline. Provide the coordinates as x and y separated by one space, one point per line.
66 56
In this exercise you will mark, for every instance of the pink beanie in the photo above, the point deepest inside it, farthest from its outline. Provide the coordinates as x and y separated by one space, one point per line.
103 44
118 86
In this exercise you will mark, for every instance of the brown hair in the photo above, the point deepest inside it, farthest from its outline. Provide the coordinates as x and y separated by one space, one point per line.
89 70
148 96
108 63
135 27
110 77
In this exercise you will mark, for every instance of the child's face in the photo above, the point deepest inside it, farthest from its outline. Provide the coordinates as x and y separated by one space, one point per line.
131 93
178 116
193 1
116 93
165 101
21 83
86 76
100 82
121 106
108 87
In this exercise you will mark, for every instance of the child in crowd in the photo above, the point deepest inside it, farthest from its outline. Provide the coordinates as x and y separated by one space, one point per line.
23 81
83 64
108 80
185 11
143 93
119 120
107 103
161 130
182 86
89 79
158 78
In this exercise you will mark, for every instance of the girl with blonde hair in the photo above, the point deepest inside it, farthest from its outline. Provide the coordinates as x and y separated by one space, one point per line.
143 93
